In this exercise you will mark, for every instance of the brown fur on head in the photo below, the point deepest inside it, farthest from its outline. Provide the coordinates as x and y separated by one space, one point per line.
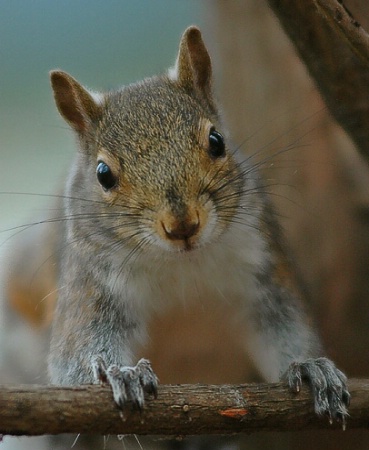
192 71
153 139
161 124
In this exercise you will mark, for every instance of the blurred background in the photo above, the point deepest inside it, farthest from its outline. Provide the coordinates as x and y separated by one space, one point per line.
104 44
272 110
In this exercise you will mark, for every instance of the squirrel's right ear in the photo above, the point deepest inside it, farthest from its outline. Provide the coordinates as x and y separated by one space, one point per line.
193 66
74 102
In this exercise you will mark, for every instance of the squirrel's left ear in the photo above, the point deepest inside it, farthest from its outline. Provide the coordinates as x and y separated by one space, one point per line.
193 66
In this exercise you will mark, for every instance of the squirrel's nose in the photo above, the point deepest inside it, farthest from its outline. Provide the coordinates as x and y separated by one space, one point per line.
181 230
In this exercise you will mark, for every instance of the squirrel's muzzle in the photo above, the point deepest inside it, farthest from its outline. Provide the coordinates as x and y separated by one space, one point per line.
181 229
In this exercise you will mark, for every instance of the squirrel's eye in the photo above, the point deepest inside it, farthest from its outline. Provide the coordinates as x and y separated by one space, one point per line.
105 176
216 144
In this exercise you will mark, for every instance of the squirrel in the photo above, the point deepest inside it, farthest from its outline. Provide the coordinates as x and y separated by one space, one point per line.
159 209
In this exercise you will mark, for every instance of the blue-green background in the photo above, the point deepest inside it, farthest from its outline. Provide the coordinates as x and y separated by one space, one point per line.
103 44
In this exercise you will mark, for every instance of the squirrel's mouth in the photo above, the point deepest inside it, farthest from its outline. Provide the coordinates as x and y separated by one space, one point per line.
182 245
184 230
187 246
181 232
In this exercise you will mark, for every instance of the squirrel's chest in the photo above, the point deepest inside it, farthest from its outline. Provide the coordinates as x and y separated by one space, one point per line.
197 303
223 274
200 334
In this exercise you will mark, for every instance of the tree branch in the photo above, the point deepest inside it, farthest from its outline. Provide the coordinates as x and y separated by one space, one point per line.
317 27
340 18
179 410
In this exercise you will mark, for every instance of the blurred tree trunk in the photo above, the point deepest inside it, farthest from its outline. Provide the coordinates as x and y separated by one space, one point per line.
335 49
317 178
271 103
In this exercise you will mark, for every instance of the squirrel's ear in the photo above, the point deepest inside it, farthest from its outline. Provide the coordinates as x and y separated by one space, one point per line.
74 102
193 65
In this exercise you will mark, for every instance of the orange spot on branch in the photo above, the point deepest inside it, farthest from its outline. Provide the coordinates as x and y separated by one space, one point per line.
234 413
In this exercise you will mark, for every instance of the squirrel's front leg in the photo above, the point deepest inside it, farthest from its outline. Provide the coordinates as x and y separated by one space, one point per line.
284 346
93 341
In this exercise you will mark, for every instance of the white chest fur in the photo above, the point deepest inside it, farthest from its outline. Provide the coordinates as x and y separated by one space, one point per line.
221 271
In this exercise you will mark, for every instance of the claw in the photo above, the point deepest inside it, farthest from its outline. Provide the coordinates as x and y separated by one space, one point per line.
116 381
294 377
127 383
346 397
148 378
343 424
99 369
328 384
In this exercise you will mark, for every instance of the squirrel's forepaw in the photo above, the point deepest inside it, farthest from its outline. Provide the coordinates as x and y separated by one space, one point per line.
128 383
328 384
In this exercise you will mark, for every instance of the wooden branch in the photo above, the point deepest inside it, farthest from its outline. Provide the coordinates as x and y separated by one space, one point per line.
178 410
316 28
340 18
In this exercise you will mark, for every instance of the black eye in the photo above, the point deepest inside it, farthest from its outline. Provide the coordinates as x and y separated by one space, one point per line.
105 176
216 144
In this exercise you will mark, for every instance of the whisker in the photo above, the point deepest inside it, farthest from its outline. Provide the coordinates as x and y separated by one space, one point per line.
57 196
268 158
75 440
137 207
138 441
285 133
135 252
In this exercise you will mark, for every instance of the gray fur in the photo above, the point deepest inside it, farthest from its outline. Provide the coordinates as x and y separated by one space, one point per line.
116 268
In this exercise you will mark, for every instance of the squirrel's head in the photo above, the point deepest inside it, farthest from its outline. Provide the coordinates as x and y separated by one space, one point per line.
152 155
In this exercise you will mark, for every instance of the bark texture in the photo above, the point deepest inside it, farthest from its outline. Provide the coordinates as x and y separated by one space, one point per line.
335 49
179 410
